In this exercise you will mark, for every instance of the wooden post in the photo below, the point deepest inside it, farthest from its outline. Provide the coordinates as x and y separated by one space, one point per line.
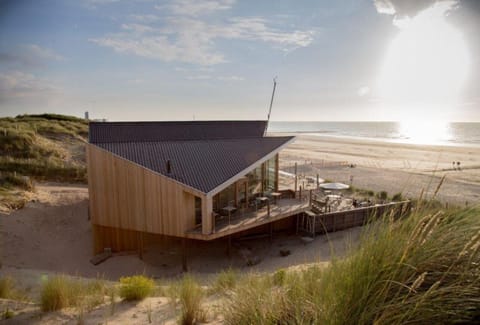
296 180
268 208
184 255
236 194
271 232
310 200
229 246
246 194
139 245
300 193
277 168
318 182
207 215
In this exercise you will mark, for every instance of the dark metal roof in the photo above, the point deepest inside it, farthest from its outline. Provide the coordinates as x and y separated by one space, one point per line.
202 164
101 132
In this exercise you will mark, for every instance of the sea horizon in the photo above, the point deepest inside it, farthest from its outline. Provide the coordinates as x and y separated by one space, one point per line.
448 133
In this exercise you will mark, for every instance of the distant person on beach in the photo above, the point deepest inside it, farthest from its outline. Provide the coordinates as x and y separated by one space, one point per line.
458 165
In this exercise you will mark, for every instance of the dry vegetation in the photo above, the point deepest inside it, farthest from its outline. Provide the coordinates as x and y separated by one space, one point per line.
39 147
421 268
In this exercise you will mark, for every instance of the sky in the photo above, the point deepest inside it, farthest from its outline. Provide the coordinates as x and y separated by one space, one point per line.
349 60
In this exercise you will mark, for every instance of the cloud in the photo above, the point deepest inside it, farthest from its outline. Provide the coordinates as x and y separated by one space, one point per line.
196 7
28 56
186 35
17 85
210 77
43 53
230 78
145 18
406 8
199 77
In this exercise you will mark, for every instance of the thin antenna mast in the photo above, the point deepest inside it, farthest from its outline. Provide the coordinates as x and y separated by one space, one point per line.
271 103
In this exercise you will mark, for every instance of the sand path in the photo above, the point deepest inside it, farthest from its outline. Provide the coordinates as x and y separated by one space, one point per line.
53 234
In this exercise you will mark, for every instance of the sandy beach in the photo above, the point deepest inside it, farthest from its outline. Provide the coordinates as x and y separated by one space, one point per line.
389 166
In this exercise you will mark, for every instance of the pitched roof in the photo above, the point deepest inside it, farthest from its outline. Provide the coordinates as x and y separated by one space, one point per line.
101 132
201 164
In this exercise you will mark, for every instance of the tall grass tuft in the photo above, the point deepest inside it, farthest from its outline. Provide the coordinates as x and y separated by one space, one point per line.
136 287
62 291
226 280
59 292
6 287
420 269
190 295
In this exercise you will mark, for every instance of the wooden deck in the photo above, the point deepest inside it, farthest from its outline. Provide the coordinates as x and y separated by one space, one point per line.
242 221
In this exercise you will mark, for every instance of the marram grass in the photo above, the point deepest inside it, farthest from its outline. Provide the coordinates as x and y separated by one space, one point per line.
421 269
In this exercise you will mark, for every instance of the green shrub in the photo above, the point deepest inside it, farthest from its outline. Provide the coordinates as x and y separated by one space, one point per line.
136 287
370 193
6 287
226 280
279 277
383 195
7 314
10 179
397 197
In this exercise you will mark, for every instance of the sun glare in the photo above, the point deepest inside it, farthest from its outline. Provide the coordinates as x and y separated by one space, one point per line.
421 132
424 67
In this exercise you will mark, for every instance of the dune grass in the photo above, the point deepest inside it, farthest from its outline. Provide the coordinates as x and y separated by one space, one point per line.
39 147
34 145
419 269
225 280
190 295
6 287
136 287
61 291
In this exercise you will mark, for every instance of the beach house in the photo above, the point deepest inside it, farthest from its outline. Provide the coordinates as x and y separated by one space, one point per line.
198 180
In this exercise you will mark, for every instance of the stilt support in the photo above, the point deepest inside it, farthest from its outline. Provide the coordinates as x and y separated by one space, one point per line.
184 254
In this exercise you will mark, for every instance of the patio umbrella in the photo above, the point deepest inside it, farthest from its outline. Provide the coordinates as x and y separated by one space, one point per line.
334 186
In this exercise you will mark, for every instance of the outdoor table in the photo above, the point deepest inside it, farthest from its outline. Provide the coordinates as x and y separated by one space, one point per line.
229 209
276 195
263 199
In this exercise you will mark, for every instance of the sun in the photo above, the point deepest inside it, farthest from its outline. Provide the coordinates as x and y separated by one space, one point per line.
424 67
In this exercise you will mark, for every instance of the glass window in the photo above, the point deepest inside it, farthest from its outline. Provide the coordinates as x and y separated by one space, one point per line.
198 210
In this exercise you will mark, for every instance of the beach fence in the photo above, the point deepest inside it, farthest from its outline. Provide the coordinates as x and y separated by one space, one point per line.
306 167
312 223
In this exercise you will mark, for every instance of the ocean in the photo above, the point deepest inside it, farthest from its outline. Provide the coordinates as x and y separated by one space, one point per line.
453 133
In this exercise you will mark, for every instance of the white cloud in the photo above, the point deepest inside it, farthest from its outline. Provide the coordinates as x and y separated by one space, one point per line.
408 8
28 56
199 77
196 7
17 84
230 78
186 34
144 18
139 28
43 53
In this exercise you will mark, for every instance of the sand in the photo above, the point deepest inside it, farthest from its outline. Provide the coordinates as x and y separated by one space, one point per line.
52 234
388 166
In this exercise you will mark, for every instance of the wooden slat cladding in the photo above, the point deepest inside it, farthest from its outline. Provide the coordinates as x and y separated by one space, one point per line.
127 196
121 240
